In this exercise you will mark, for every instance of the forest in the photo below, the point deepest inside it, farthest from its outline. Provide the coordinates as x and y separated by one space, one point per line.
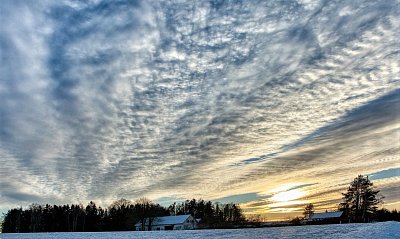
121 215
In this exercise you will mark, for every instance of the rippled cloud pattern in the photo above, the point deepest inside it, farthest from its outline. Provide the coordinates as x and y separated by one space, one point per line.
180 99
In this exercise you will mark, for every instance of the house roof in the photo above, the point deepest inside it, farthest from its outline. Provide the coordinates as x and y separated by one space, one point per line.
325 215
168 220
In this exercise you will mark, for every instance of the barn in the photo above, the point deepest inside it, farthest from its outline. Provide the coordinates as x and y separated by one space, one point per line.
181 222
326 217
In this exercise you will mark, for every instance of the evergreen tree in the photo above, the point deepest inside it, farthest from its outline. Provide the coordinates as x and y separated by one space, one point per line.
361 199
308 210
92 218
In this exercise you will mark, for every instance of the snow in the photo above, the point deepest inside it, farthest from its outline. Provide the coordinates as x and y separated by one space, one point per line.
382 230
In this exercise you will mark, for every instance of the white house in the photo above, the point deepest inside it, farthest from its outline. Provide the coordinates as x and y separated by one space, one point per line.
181 222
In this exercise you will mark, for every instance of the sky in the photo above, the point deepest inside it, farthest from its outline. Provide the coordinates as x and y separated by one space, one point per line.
270 104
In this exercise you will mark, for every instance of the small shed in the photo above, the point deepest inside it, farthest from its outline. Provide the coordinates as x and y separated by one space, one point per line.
181 222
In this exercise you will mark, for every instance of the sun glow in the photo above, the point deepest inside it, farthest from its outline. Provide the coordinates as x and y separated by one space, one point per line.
288 195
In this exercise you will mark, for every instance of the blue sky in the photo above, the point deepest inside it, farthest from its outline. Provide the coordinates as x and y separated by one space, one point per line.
273 104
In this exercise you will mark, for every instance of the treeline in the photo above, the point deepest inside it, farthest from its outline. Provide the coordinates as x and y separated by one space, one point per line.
383 215
213 215
121 215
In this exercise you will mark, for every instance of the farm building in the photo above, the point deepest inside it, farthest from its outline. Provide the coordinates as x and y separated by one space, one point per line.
181 222
329 217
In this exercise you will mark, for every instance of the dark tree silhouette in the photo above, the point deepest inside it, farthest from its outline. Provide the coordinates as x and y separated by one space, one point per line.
361 199
308 210
120 215
93 217
386 215
36 217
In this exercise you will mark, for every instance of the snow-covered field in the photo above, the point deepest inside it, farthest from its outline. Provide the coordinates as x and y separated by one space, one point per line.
373 230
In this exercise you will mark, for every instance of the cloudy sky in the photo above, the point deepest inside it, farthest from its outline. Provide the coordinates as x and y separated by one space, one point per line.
272 104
